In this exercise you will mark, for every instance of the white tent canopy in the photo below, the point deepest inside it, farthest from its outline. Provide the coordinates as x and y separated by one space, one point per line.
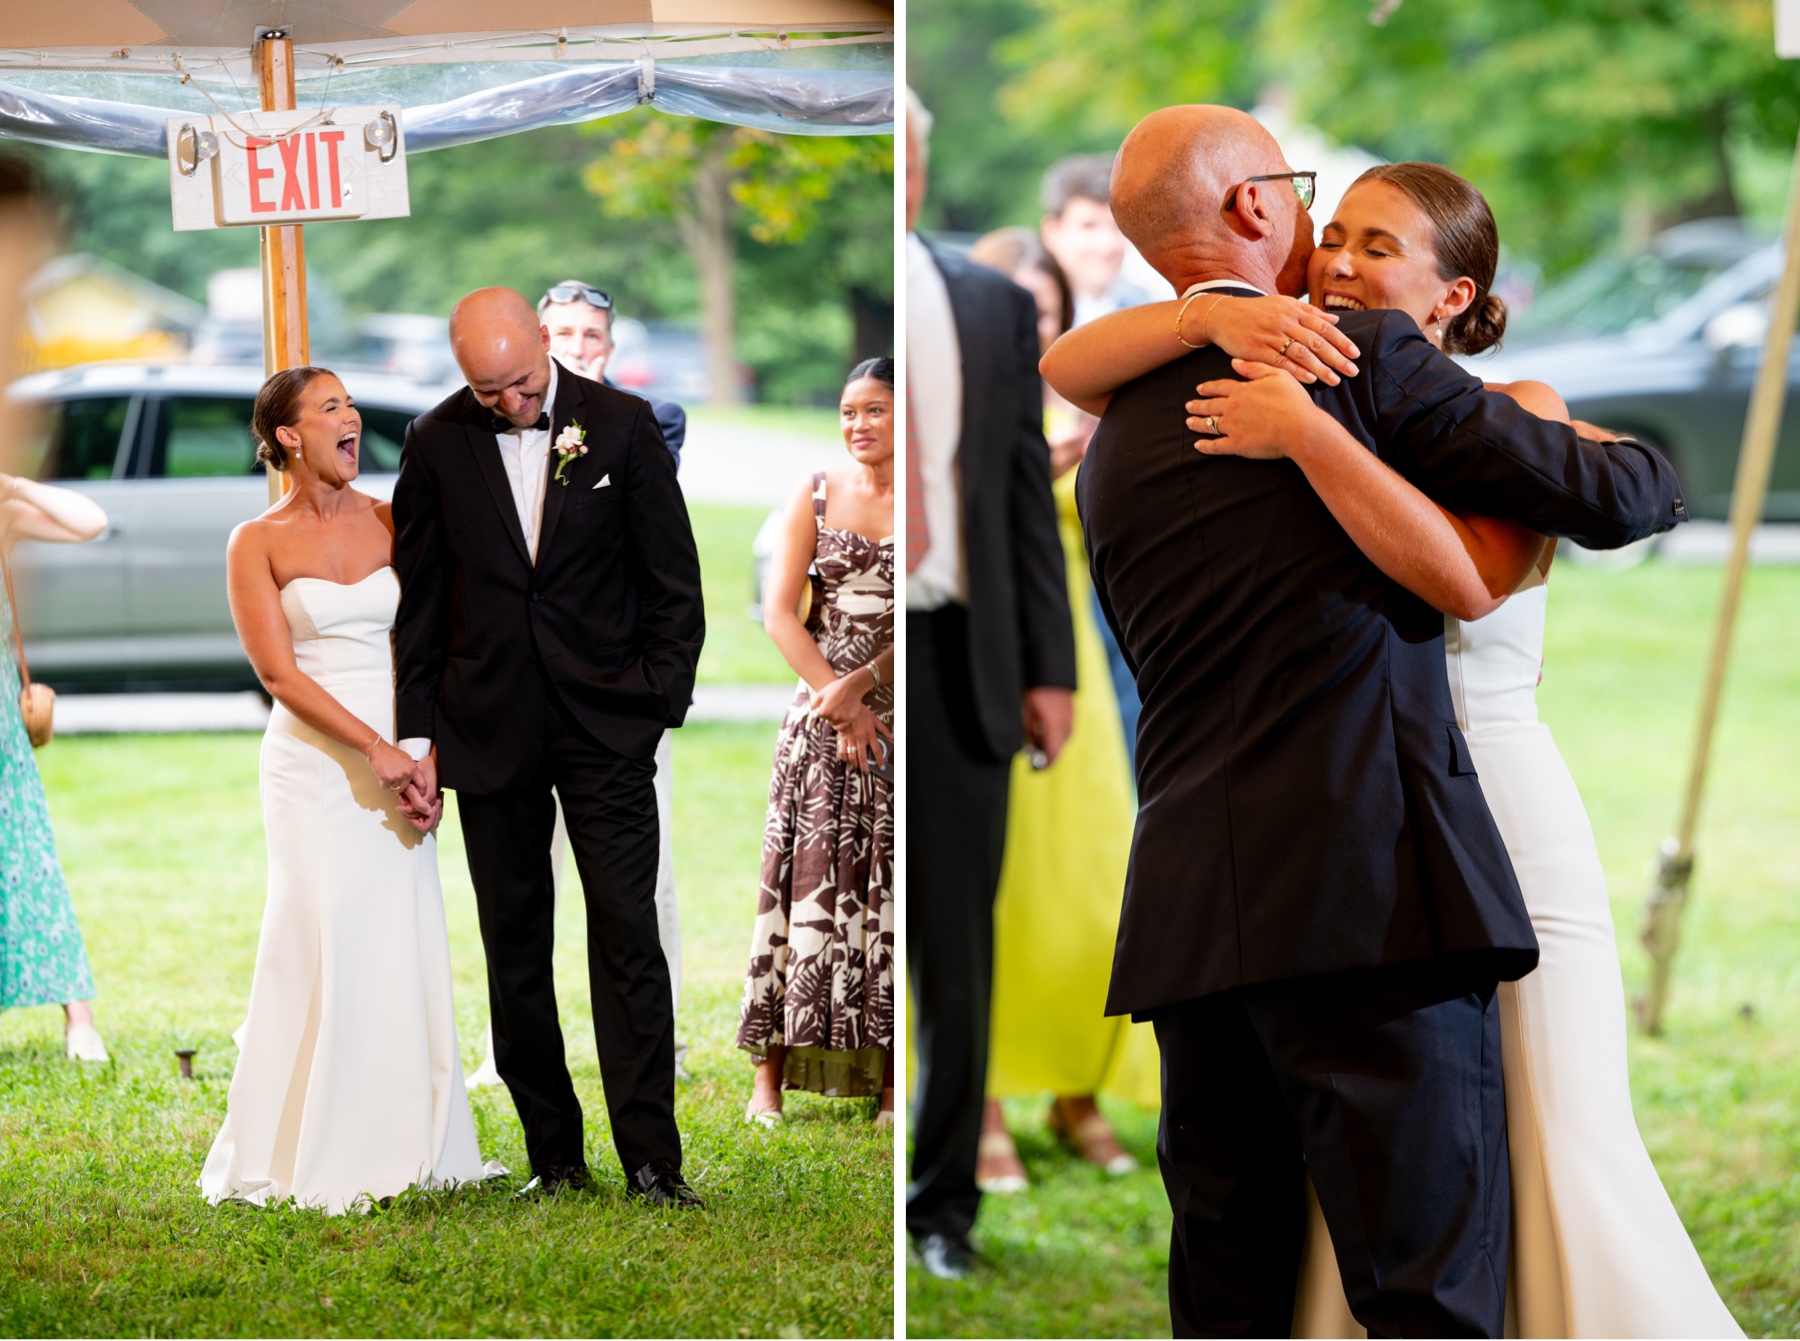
106 74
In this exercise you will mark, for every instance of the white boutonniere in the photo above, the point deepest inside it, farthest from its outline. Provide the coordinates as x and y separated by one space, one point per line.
570 444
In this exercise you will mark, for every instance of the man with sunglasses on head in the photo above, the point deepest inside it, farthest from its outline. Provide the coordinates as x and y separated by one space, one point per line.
578 318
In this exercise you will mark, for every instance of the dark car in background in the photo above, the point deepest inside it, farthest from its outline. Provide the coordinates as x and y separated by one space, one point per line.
167 451
1666 345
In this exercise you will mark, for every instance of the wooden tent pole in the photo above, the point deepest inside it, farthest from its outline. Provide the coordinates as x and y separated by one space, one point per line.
1662 916
285 341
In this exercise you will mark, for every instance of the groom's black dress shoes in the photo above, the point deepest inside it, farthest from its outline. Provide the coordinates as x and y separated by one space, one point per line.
554 1179
660 1183
946 1256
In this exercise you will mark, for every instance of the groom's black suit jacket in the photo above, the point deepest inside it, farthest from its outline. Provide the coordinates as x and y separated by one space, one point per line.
1307 804
609 617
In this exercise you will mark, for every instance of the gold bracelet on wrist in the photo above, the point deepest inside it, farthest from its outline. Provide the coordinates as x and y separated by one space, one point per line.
874 673
1206 321
369 749
1181 312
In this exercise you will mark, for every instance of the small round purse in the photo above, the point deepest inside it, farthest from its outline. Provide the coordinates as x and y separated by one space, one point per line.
37 702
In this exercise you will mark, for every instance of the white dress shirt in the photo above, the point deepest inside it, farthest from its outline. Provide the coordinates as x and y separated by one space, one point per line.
526 455
934 398
1207 285
525 452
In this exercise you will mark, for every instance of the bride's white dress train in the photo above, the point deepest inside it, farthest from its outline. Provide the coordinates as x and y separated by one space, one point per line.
348 1084
1598 1249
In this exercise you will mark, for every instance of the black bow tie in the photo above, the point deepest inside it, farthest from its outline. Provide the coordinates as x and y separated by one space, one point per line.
504 425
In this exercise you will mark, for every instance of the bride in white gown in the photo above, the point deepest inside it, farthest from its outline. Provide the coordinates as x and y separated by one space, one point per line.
1598 1248
349 1084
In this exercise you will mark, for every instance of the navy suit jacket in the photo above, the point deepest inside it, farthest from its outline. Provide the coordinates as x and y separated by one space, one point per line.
1307 804
670 418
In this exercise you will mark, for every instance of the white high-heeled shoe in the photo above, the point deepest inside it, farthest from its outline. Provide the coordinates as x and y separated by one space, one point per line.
487 1075
82 1044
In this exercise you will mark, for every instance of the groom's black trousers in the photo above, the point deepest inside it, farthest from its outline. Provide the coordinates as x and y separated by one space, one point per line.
609 804
1385 1086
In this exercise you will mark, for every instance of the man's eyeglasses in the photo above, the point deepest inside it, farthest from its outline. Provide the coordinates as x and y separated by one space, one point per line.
570 292
1302 182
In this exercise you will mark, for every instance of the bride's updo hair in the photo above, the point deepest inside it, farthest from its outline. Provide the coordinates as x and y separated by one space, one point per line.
1465 241
278 406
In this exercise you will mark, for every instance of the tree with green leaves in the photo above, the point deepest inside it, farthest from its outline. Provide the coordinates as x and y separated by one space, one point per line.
1585 122
703 177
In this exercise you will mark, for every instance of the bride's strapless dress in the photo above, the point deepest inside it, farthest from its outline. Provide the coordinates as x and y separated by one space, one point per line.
349 1084
1598 1249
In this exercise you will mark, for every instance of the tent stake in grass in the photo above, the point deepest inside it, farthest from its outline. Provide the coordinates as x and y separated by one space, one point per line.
1668 899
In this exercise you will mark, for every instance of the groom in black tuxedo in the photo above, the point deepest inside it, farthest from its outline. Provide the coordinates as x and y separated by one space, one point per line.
549 627
1318 906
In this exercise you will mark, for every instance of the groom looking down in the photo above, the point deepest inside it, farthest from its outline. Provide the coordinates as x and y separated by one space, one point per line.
1318 906
549 626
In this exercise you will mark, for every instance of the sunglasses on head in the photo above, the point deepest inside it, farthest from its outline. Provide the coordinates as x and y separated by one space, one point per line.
572 292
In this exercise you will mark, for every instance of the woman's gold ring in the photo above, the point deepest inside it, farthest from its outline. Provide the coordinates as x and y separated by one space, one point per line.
1212 424
1284 346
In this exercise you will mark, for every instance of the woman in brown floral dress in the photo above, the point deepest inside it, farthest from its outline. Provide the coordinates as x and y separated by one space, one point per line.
818 1010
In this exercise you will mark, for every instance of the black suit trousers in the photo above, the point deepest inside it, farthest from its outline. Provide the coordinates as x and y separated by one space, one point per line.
609 803
1385 1086
955 836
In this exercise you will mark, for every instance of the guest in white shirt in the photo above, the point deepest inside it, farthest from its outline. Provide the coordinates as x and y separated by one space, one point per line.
990 667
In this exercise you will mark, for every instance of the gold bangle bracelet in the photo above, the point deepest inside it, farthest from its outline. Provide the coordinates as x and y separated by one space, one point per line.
1206 321
1181 312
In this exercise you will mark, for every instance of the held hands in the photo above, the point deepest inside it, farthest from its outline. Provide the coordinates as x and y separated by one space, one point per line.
859 731
420 800
861 741
1283 333
841 701
1261 418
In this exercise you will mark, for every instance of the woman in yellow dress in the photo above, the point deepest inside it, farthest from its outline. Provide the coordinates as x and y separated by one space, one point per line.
1068 838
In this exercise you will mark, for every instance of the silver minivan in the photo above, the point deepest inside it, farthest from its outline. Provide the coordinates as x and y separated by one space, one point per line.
167 451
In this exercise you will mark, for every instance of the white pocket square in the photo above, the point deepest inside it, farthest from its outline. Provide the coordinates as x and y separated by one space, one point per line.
605 481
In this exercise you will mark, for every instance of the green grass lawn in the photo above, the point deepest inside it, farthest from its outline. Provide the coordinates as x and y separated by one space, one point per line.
737 651
1718 1096
103 1232
804 421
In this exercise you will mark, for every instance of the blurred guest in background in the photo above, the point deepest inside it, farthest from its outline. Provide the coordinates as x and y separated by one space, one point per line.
818 1009
990 666
576 319
42 958
1068 837
1079 232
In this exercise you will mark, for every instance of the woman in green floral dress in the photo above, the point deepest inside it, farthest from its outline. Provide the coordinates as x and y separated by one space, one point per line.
42 959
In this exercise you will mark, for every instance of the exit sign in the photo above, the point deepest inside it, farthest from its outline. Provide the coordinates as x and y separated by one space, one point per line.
260 168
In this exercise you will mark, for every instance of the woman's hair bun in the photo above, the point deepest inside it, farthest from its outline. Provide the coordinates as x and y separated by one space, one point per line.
1479 328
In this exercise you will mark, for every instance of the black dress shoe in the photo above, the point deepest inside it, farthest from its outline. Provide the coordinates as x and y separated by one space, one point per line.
946 1256
660 1183
555 1179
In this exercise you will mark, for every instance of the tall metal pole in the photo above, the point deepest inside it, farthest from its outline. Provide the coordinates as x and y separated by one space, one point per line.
1662 916
285 341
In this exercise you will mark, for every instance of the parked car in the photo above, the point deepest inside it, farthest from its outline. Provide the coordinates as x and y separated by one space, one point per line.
1666 345
654 359
167 451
